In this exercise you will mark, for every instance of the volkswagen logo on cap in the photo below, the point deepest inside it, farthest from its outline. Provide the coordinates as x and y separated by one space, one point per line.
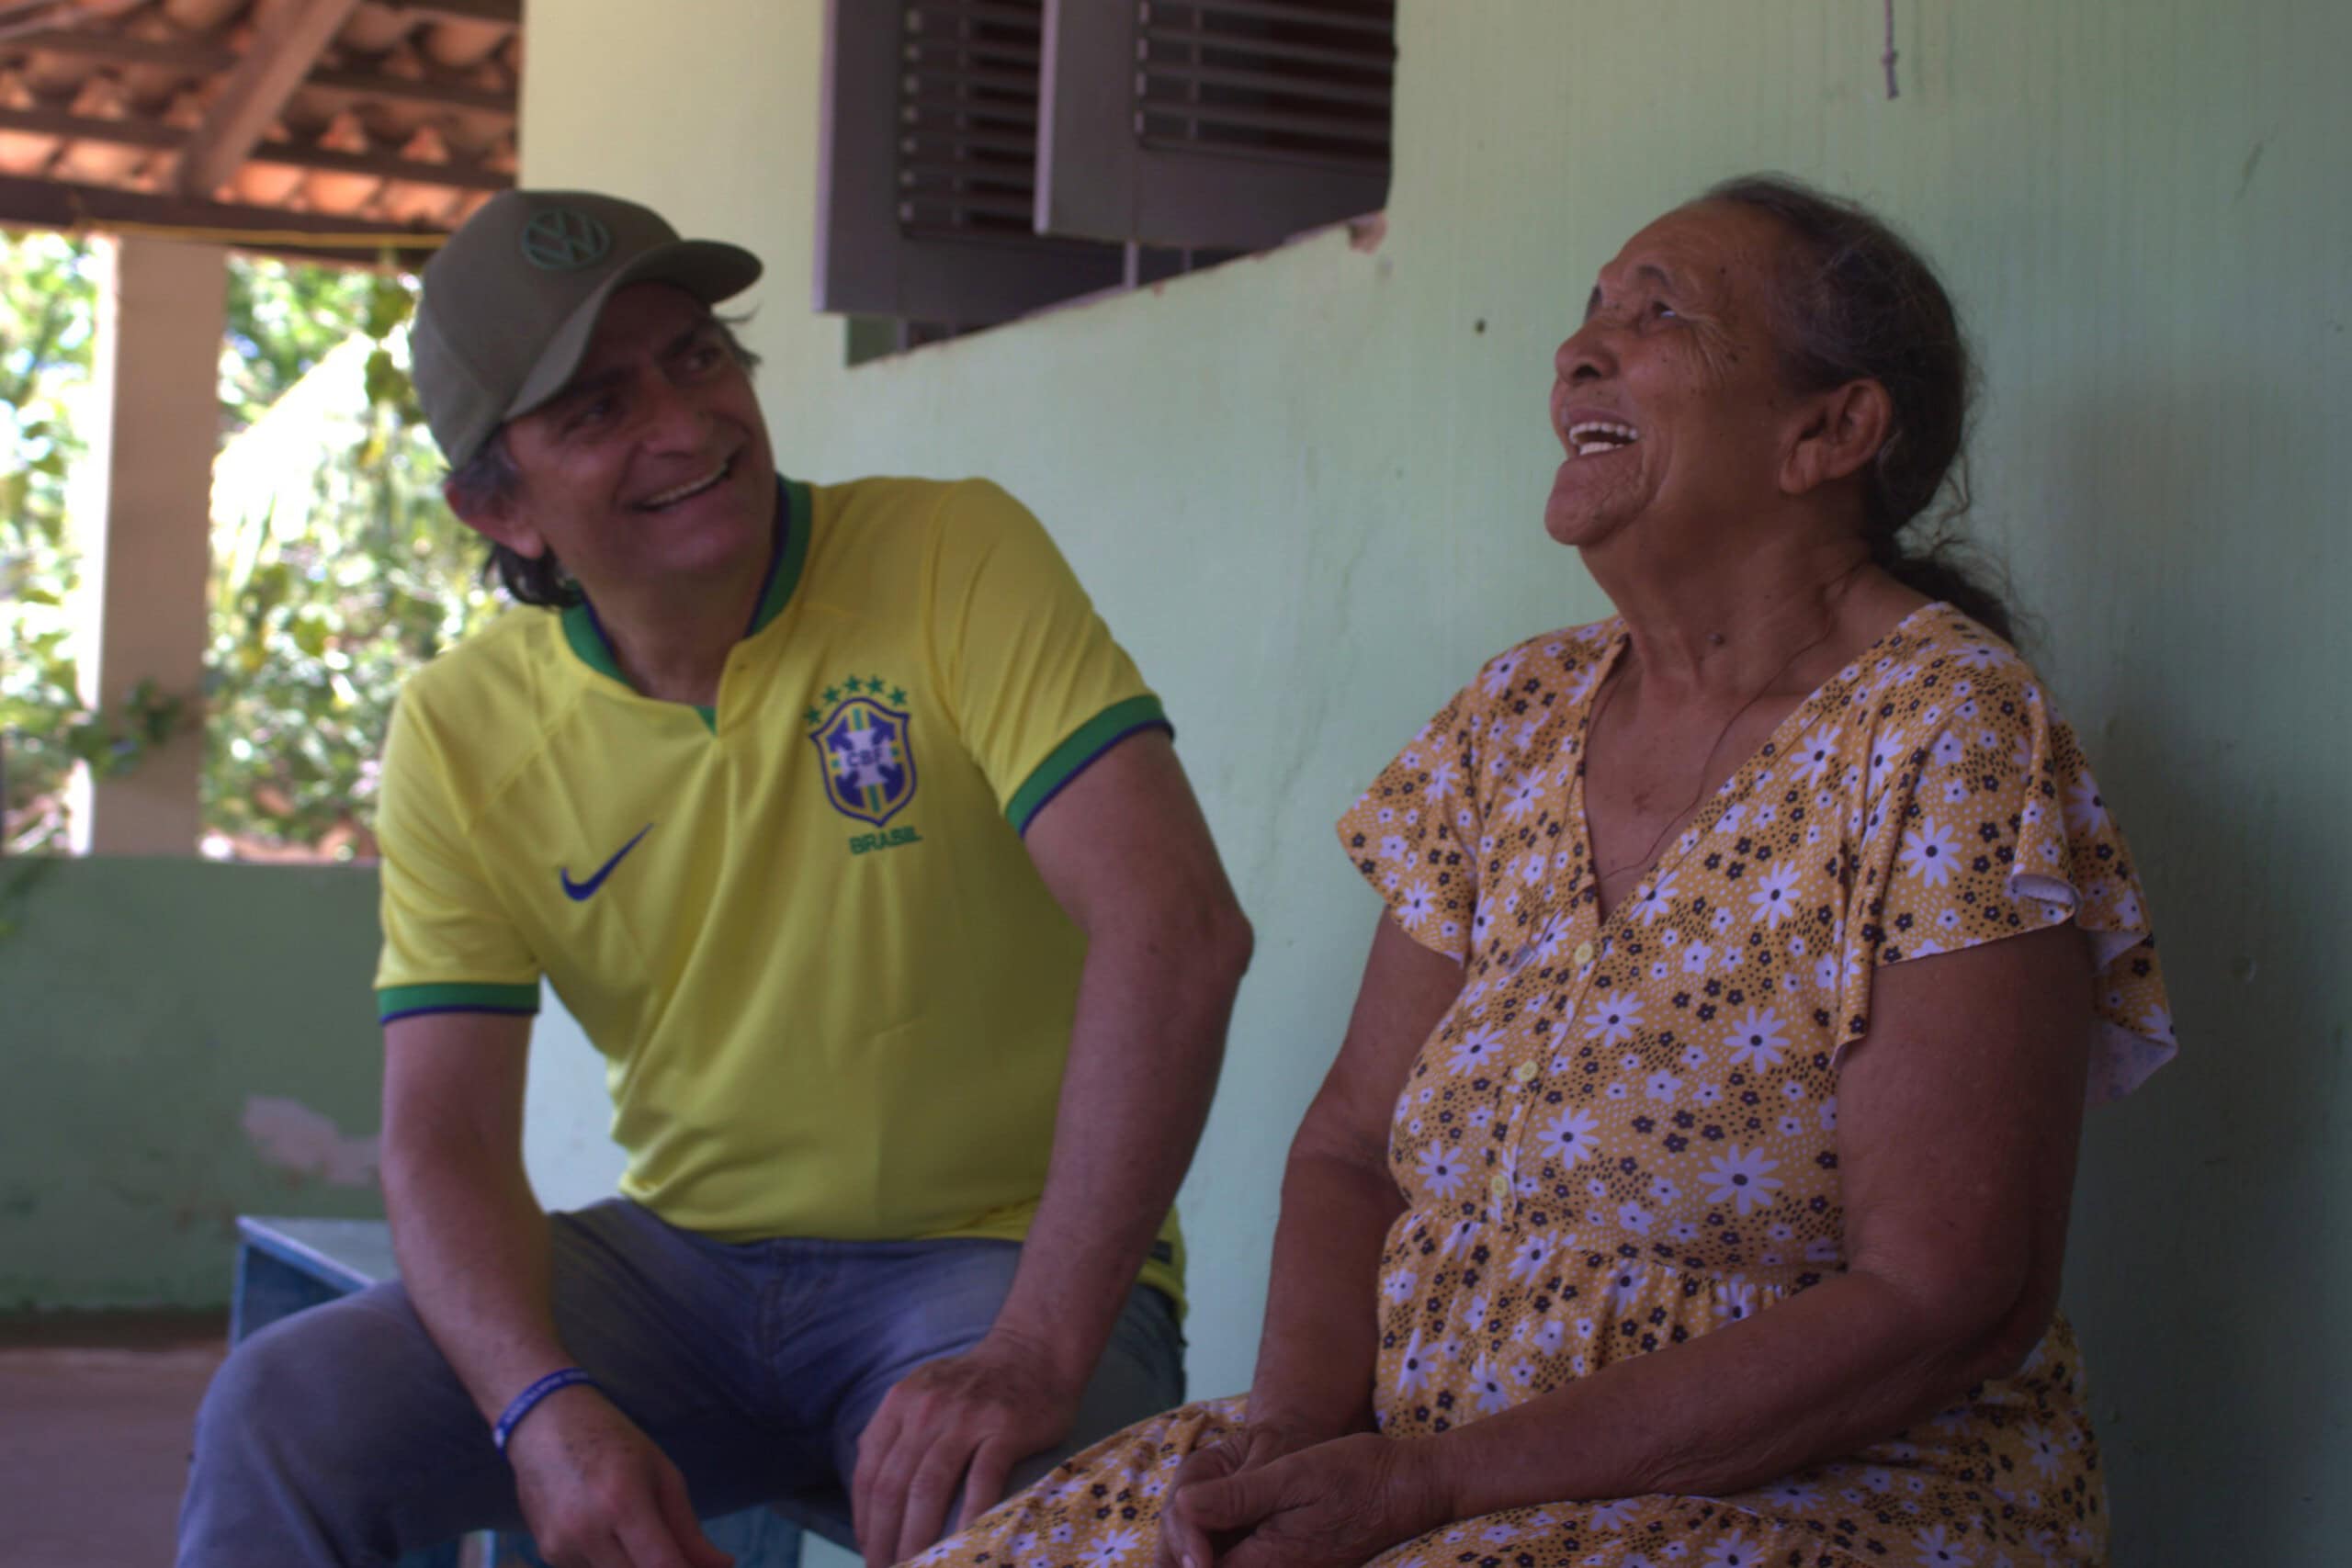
564 239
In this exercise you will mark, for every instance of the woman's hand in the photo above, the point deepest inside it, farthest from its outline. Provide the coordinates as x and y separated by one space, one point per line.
1334 1504
1248 1447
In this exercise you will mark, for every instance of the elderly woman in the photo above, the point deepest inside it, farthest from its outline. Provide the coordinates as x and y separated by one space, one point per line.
1692 1183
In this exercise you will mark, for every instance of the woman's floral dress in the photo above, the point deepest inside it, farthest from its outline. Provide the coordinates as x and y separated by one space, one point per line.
1623 1134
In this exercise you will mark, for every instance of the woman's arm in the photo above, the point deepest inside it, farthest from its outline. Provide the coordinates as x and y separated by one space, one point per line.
1321 1335
1958 1118
1316 1353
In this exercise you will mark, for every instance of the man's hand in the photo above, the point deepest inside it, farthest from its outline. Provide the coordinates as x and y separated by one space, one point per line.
960 1421
1336 1505
597 1494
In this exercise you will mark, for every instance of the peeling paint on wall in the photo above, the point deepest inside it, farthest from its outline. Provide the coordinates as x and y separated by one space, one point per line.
289 1134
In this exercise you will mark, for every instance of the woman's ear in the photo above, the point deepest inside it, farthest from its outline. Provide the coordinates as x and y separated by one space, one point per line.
499 521
1843 430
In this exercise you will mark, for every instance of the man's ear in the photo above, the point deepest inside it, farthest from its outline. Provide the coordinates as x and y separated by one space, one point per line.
499 522
1840 430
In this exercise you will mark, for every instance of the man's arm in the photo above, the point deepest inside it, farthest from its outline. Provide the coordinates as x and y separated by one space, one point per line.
1124 850
473 1246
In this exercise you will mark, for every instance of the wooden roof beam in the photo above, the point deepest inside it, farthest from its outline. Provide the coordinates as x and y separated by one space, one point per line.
200 58
55 204
509 11
197 56
255 90
133 131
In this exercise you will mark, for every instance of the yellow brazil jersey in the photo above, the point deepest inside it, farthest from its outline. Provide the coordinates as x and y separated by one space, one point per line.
834 995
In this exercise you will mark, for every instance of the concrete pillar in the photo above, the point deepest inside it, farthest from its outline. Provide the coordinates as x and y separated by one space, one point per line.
144 524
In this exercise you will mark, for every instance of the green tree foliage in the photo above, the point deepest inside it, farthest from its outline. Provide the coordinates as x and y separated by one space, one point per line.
48 304
325 596
336 568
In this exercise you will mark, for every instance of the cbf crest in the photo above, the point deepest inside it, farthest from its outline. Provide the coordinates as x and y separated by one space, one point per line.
865 752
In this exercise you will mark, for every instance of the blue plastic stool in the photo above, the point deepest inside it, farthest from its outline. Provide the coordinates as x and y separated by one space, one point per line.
286 1265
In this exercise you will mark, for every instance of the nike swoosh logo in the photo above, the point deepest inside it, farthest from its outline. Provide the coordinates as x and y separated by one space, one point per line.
581 892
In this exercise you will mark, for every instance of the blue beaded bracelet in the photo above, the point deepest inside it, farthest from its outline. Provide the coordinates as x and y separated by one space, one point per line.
528 1400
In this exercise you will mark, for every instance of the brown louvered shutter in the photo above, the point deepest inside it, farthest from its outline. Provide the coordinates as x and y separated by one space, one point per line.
928 166
1232 124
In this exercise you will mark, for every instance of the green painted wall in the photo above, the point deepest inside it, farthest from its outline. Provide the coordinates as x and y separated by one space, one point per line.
1305 488
183 1041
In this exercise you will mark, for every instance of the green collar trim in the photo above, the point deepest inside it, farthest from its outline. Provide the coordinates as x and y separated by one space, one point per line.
793 506
785 559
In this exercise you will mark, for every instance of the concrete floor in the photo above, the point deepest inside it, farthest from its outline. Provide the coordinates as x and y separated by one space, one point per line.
94 1441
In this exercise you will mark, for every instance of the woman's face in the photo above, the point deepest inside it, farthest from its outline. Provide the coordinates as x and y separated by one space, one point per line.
1666 400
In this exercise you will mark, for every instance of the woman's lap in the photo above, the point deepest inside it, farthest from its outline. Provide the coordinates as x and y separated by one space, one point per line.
1100 1508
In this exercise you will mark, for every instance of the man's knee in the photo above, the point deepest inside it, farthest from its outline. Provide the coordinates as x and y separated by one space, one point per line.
320 1387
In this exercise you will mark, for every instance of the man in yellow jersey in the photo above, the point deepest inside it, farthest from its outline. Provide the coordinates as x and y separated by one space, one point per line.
858 848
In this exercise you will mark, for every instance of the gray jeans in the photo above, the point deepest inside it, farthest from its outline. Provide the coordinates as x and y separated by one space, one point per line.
340 1436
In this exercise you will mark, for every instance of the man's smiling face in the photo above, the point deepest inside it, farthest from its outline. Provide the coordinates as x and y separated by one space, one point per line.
653 462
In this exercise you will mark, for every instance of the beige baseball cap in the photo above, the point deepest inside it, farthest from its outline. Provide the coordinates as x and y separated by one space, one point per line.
512 300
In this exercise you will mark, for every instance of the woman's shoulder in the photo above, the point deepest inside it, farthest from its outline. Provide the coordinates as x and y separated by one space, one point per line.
1934 655
1566 663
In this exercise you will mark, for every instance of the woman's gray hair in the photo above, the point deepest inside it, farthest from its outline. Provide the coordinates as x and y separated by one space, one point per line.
491 479
1856 301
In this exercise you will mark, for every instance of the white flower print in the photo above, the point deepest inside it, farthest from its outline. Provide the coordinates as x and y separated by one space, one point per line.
2042 1449
1657 897
1552 938
1635 1218
1527 1263
1742 1178
1613 1017
1939 1550
1413 1369
1113 1546
1614 1514
1478 1050
1393 846
1929 851
1441 780
1571 1136
1489 1386
1732 1551
1524 796
1696 957
1663 1087
1499 674
1399 1285
1442 1171
1888 754
1774 895
1551 1335
1530 869
2085 809
1758 1039
1418 905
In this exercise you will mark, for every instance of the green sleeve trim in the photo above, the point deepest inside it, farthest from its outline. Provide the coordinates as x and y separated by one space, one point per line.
400 1001
1069 758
